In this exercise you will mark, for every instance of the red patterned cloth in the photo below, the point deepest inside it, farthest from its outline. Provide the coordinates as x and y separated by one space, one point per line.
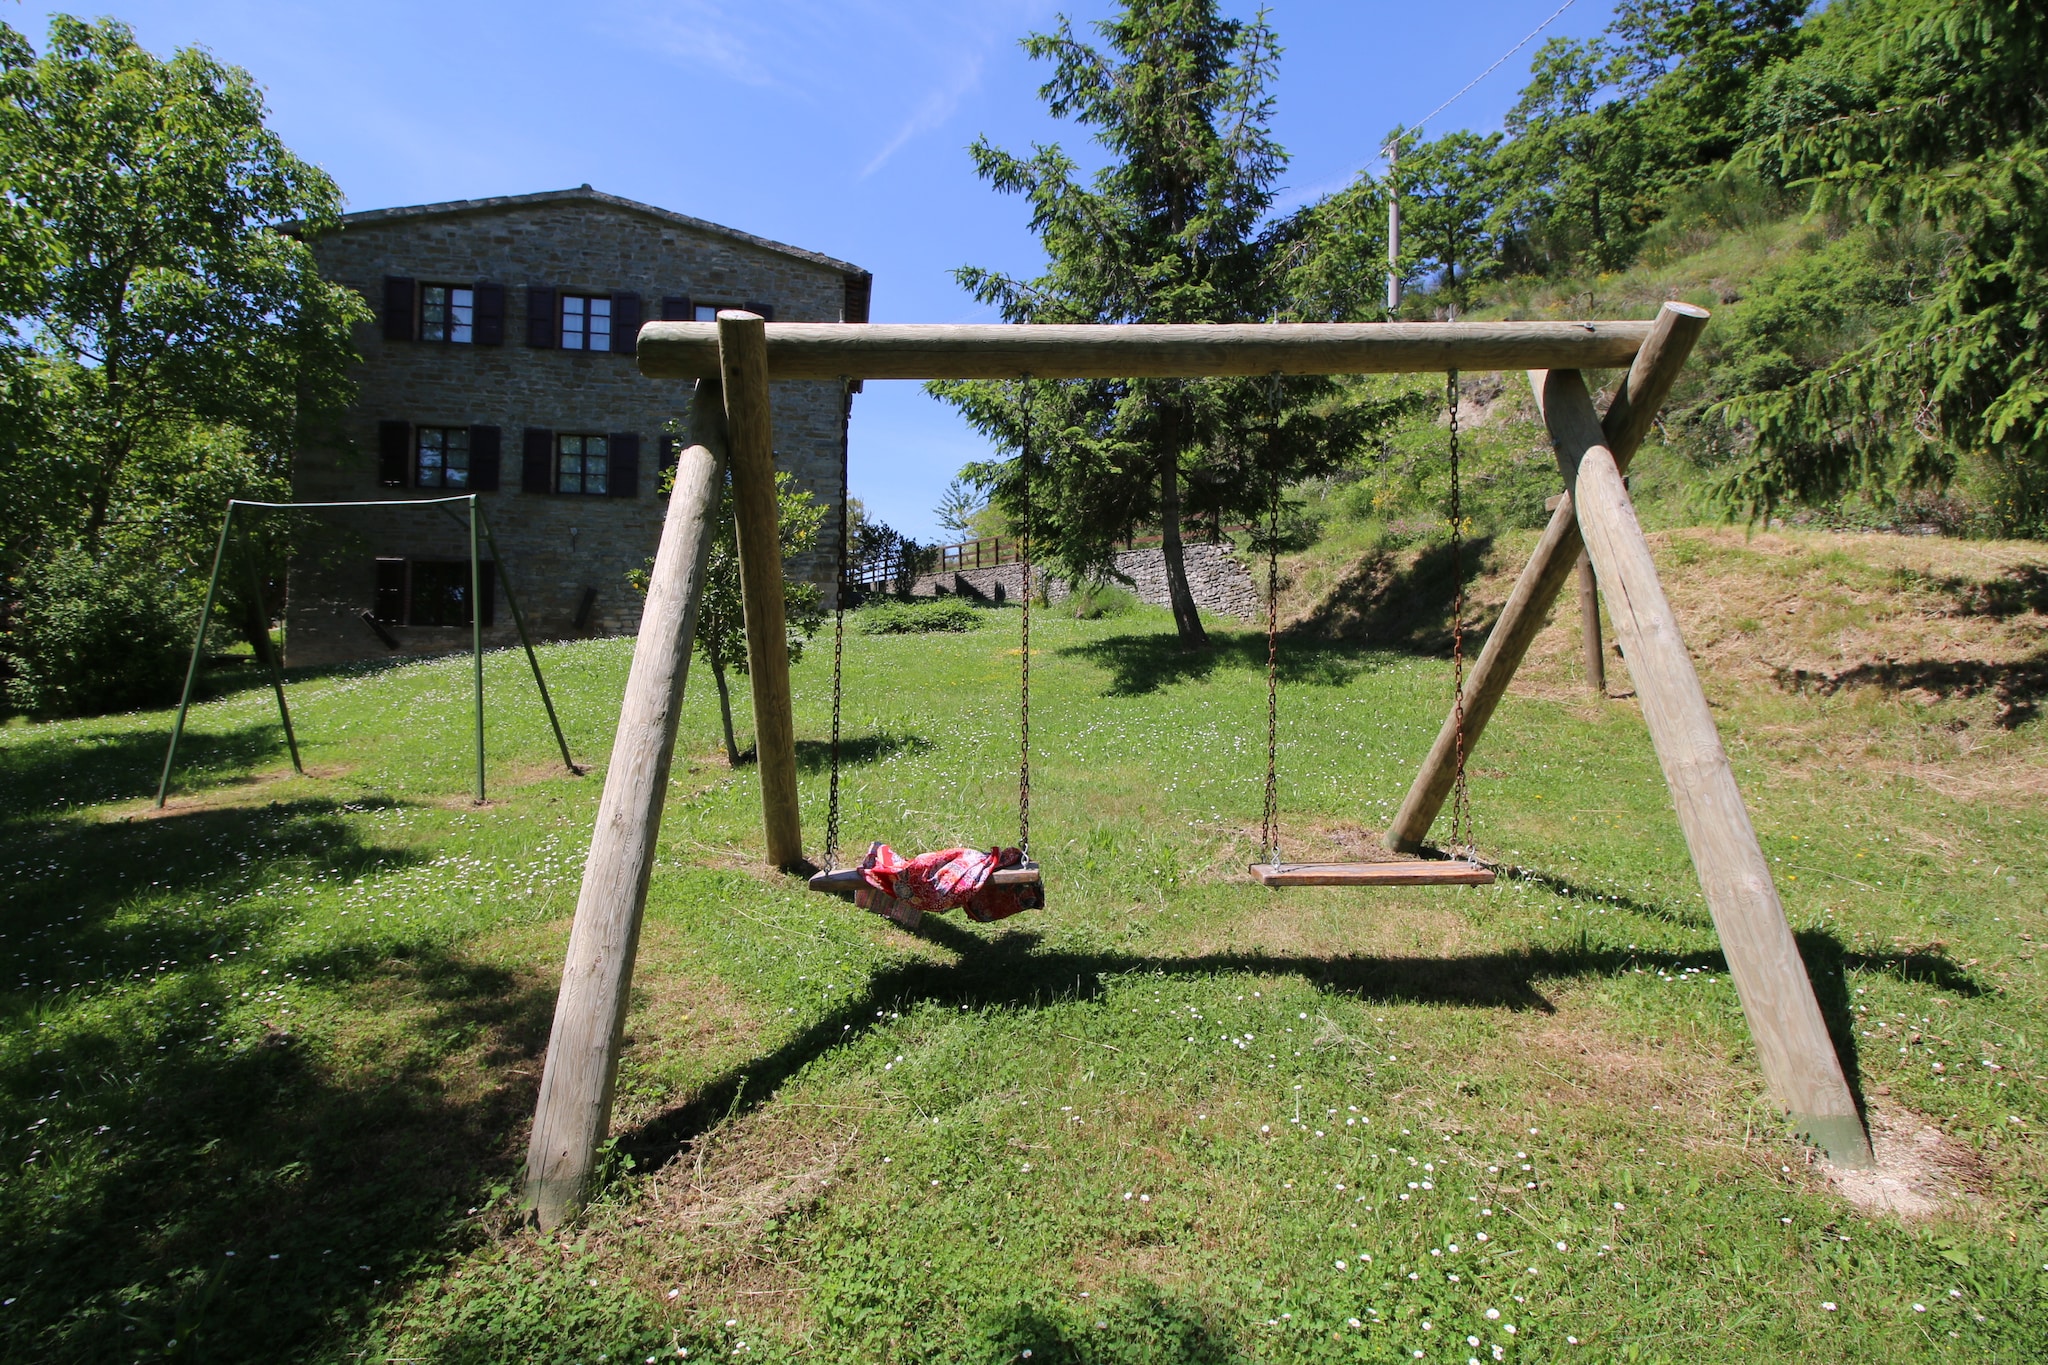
907 889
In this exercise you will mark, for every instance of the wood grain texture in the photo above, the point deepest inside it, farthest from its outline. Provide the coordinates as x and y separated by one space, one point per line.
574 1111
826 350
758 526
1798 1057
1654 371
1434 872
1589 628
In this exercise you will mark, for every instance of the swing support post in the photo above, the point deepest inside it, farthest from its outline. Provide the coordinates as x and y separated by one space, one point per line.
220 550
526 642
743 363
270 656
573 1114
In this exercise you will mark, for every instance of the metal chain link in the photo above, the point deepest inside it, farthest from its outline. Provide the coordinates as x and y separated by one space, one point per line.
1461 800
839 631
1269 835
1024 676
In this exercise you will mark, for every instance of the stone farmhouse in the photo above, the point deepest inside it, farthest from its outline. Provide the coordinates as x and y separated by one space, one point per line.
501 364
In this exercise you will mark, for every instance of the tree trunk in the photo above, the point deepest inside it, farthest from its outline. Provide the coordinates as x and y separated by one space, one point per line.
1186 619
732 745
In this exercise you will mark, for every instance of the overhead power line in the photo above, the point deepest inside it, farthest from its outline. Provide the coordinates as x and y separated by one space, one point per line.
1498 62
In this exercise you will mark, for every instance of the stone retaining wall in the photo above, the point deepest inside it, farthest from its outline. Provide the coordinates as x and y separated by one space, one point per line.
1217 578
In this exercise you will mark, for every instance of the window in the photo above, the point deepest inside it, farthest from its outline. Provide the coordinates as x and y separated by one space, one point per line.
442 458
582 465
586 323
447 313
425 592
708 312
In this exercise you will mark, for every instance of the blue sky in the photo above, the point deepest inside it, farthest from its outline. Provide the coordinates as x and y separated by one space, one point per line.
838 125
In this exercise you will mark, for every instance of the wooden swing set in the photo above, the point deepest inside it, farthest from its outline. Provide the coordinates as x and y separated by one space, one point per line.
733 362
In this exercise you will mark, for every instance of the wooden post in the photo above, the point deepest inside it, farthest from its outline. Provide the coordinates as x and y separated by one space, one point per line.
1798 1057
1589 626
574 1111
743 359
1589 611
1628 420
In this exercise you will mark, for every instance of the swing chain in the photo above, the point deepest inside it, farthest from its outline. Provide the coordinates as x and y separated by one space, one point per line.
1461 800
839 630
1024 677
1269 834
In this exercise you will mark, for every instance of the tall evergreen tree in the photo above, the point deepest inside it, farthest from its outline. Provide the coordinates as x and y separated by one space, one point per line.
1169 231
1910 112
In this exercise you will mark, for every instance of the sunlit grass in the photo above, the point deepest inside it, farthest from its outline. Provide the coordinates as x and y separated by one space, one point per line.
1172 1116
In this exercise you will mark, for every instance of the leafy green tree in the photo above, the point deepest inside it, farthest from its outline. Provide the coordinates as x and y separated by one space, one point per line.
1573 160
1608 127
1450 193
171 338
1919 112
1332 255
1168 231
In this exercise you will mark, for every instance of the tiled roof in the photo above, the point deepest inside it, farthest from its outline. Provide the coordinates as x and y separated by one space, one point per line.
585 194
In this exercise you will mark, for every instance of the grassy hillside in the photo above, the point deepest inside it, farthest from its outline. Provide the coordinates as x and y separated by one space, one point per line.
270 1055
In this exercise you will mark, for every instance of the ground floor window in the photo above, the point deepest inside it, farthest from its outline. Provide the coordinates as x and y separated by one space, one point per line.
582 465
430 592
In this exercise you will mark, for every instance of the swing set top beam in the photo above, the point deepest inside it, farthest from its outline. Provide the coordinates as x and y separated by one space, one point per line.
857 351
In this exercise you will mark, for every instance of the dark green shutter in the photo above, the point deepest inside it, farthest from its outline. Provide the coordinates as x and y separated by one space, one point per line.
625 321
398 300
488 324
540 315
394 454
623 480
483 459
536 461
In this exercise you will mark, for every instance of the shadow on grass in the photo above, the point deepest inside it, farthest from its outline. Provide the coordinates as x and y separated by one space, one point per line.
41 777
1138 664
1009 971
192 1171
1149 1324
2017 686
815 755
1380 607
1383 604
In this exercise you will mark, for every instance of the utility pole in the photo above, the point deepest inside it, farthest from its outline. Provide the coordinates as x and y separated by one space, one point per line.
1393 228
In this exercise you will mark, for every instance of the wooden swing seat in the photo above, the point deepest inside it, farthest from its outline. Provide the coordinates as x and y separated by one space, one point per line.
1407 872
846 881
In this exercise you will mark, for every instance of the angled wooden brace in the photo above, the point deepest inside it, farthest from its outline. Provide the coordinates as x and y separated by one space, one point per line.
1799 1061
574 1110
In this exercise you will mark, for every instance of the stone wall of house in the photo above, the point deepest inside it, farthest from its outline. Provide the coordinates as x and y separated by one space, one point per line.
558 550
1217 578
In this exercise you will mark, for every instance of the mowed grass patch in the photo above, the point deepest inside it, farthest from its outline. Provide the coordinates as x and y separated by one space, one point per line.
303 1019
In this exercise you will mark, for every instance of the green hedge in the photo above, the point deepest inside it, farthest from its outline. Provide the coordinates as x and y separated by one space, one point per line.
917 618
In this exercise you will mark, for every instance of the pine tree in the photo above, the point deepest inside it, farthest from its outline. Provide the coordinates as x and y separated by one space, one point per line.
1169 231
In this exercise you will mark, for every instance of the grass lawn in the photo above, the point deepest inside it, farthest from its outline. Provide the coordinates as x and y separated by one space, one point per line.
269 1056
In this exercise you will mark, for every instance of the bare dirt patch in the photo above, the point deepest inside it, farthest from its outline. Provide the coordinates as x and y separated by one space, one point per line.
1921 1172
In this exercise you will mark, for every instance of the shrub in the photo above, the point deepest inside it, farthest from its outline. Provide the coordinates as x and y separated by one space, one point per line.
915 618
1093 601
96 635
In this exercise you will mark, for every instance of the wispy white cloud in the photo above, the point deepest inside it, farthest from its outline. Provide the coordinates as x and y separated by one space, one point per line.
936 107
702 34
